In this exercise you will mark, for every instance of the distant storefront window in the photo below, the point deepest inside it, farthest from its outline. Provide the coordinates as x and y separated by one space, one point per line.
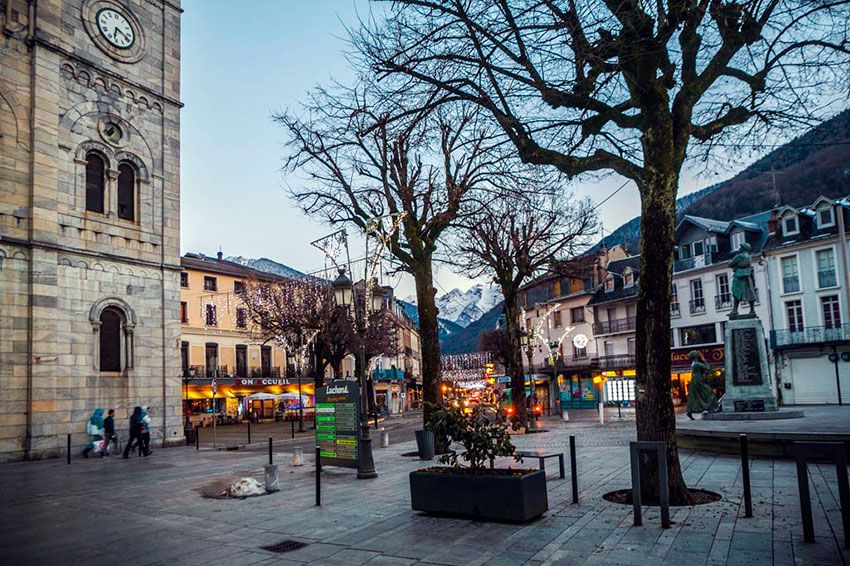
702 334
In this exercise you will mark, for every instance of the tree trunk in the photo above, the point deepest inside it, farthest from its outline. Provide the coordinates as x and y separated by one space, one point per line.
429 336
656 420
514 368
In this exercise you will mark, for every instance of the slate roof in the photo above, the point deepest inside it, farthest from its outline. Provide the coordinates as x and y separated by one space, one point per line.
200 262
620 292
809 231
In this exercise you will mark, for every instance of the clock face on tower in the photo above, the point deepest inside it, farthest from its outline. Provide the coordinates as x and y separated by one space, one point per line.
115 28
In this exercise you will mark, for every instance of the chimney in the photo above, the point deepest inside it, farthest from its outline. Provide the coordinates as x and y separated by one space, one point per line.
219 255
772 223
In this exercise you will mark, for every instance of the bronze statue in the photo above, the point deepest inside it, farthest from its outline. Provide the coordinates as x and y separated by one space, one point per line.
743 283
700 395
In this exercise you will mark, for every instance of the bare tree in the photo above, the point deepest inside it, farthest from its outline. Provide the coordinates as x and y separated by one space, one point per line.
512 240
634 87
422 171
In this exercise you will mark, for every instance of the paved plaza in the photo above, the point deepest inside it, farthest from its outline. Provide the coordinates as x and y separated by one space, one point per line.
157 510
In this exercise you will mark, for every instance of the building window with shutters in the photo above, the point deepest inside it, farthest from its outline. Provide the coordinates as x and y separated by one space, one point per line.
210 283
126 192
184 279
826 268
210 316
95 182
238 287
576 315
241 318
790 275
557 319
794 315
184 312
831 311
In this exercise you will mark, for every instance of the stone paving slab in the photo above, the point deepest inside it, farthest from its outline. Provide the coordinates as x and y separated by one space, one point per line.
151 511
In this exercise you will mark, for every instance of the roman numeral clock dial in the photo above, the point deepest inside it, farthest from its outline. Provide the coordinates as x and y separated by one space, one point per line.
115 28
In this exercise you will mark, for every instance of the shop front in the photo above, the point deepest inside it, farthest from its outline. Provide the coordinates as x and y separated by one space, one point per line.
235 399
680 371
390 391
577 390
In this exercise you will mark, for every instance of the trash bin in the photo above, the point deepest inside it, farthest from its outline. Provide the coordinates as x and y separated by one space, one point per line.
425 444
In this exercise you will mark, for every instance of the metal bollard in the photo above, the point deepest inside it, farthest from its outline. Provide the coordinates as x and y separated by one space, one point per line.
249 432
69 449
376 420
271 463
565 415
292 428
573 470
318 477
745 475
298 456
197 438
385 438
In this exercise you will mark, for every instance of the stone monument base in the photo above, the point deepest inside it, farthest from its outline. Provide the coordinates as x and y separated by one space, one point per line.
748 387
745 416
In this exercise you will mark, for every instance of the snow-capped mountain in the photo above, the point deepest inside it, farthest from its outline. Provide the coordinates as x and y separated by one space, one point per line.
267 265
465 307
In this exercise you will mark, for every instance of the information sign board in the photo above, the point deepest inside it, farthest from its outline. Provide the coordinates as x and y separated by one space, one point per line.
337 421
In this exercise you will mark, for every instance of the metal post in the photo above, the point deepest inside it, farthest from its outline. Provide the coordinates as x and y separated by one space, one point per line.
638 518
68 455
292 428
376 417
271 462
837 378
197 437
249 431
745 475
573 470
318 477
805 498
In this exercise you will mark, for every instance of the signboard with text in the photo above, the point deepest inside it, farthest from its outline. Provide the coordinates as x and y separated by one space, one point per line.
261 381
337 421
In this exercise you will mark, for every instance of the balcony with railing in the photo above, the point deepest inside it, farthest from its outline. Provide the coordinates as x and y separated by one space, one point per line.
258 371
614 326
694 262
213 371
810 336
726 301
618 361
827 279
696 306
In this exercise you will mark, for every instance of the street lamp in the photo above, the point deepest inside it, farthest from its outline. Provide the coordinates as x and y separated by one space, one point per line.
188 375
345 297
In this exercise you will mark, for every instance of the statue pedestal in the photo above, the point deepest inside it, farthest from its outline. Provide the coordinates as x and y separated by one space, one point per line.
748 387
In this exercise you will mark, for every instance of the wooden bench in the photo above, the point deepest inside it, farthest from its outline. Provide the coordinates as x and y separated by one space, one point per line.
541 456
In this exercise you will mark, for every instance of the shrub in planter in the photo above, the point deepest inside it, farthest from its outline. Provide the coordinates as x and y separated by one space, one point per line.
475 490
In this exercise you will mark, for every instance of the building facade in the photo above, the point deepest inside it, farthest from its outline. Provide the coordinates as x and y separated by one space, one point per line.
89 219
808 269
397 379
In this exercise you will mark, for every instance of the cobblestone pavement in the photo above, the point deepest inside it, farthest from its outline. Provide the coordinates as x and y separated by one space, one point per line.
152 511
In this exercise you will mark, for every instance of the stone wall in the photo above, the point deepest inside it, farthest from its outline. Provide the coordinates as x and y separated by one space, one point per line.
61 86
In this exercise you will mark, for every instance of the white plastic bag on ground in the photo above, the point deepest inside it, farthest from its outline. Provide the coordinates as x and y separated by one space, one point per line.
245 487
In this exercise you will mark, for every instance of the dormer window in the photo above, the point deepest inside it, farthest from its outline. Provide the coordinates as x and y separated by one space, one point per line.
738 238
699 248
826 218
790 226
609 283
628 278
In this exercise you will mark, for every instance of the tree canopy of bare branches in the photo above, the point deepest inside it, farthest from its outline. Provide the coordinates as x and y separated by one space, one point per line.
512 240
634 87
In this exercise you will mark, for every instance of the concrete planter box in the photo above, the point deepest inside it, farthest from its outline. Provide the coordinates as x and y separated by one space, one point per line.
496 495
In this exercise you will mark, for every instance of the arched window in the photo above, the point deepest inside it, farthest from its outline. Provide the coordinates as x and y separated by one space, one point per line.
126 192
95 183
110 339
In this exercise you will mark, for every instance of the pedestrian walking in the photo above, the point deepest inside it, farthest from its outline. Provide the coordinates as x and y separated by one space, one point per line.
109 435
146 431
135 431
95 429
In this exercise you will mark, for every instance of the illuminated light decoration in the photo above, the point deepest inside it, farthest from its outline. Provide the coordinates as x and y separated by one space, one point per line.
597 379
332 245
552 346
465 367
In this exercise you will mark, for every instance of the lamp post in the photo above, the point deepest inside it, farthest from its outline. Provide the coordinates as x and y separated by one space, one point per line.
188 375
346 297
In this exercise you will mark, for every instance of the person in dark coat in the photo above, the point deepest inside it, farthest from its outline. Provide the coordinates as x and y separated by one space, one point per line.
109 432
135 431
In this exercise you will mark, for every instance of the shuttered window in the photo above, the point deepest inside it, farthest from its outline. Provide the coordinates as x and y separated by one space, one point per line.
94 182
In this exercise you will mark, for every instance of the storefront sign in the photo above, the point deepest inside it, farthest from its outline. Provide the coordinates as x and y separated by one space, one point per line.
337 419
714 356
503 379
580 341
261 381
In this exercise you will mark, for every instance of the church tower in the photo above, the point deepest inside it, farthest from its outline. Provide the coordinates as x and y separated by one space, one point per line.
89 219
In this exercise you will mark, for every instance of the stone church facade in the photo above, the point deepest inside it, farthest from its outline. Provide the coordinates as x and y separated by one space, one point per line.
89 219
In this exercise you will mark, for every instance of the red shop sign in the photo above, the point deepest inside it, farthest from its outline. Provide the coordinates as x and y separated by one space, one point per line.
714 355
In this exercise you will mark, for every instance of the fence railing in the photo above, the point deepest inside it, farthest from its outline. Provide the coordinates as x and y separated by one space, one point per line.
809 335
615 325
